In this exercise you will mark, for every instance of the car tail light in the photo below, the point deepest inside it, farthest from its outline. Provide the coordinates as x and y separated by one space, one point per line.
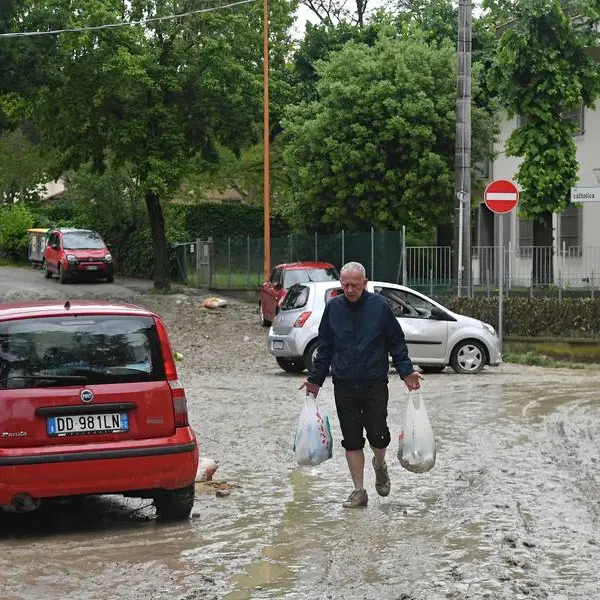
302 319
177 391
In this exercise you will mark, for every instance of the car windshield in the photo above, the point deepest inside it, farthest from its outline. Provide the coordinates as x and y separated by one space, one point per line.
292 276
82 240
45 352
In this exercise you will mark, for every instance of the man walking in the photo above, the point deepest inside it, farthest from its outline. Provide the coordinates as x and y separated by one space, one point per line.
357 334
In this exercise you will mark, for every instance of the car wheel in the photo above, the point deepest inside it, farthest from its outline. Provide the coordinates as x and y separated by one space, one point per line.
46 271
62 276
261 316
174 505
432 368
291 365
468 357
310 354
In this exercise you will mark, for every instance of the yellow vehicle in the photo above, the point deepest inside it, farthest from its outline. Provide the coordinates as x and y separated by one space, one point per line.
38 237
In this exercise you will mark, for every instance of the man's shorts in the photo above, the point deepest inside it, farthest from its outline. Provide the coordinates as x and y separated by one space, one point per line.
359 408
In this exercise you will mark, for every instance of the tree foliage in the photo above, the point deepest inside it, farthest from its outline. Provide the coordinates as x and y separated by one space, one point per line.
376 148
153 97
541 69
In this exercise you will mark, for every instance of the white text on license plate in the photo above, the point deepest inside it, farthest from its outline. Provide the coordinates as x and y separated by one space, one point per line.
82 424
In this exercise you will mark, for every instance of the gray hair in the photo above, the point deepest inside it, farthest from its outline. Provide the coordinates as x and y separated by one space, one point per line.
353 267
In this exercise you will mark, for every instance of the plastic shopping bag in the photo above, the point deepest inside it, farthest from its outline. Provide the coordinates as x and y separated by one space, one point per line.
416 448
313 443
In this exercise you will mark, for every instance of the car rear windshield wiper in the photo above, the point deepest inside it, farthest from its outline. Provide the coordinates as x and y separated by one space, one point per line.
52 378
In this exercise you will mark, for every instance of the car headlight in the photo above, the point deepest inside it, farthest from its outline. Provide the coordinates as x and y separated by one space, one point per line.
108 257
71 258
489 328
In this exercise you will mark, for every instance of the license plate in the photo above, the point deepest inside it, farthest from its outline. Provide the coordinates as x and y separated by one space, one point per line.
87 424
277 345
92 268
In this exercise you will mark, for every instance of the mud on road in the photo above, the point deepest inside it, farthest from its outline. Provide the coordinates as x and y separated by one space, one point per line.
510 510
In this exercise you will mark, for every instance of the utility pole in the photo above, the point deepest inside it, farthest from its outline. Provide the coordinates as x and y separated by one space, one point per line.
462 230
267 166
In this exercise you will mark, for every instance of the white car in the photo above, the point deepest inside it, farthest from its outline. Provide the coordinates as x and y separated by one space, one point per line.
436 336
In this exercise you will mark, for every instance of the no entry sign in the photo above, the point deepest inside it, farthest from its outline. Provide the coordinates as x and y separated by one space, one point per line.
501 196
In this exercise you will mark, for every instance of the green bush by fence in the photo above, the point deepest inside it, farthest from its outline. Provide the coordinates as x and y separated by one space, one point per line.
536 317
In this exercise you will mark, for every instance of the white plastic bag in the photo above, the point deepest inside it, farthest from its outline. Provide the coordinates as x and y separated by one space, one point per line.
313 443
416 447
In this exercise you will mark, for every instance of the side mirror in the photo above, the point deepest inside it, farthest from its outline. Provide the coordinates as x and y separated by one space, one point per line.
438 314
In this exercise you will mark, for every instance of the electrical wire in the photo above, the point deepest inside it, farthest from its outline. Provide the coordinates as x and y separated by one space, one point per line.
14 34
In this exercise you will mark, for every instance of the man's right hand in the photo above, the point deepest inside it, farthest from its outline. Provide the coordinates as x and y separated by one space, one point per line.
311 388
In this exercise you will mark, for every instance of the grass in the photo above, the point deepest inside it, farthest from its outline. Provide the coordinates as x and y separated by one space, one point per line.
540 360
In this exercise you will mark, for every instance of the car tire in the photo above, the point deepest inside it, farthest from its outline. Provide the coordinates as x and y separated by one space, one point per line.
47 272
468 357
174 505
432 369
310 354
261 316
291 365
62 276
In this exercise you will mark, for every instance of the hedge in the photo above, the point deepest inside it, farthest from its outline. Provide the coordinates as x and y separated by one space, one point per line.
536 317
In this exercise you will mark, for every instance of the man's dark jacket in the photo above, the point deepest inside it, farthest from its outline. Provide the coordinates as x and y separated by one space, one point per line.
356 340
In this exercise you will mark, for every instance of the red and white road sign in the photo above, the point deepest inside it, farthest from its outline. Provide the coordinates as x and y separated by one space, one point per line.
501 196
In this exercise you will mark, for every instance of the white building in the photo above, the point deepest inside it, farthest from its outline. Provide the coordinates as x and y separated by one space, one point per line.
576 248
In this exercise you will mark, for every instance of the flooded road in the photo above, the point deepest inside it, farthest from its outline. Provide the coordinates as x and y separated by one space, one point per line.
509 511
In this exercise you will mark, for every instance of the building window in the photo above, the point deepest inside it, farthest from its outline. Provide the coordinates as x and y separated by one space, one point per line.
525 229
570 229
575 116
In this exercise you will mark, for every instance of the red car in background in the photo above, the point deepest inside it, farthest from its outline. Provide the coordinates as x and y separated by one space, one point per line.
283 276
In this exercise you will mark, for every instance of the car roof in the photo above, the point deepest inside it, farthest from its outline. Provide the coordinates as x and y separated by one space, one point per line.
73 230
27 310
305 265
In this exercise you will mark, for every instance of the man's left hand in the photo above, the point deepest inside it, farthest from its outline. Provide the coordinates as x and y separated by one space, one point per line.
412 381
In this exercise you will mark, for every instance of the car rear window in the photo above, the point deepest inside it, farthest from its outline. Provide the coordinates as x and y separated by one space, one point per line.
58 351
292 276
296 297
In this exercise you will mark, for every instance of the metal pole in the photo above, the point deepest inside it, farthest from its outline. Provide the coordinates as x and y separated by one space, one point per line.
404 270
372 253
266 172
501 281
463 144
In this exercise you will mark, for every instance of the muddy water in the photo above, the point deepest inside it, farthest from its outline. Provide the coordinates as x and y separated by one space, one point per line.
510 510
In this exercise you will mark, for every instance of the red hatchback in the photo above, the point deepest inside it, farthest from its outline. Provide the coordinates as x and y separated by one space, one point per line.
72 253
273 291
90 403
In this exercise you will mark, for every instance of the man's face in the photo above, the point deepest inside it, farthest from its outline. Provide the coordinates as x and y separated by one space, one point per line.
353 284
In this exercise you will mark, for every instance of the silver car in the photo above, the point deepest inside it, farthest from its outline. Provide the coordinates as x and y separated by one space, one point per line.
436 336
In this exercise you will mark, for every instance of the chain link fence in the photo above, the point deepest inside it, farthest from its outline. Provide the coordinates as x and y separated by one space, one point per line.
237 263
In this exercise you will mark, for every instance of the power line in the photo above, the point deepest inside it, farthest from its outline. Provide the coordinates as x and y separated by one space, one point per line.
14 34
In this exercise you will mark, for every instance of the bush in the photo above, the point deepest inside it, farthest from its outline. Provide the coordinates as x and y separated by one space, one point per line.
15 220
536 317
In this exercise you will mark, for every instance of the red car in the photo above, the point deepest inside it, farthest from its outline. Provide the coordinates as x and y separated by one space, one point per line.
90 403
273 291
72 253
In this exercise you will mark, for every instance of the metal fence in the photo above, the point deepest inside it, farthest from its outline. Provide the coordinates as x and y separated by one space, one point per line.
237 263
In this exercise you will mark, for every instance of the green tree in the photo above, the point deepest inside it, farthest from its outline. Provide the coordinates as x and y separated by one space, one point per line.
154 96
542 68
15 220
376 148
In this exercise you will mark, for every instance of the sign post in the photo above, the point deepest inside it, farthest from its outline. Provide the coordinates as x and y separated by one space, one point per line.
501 196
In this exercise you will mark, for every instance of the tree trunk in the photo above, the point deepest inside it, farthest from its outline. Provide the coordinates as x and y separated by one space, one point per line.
162 270
543 242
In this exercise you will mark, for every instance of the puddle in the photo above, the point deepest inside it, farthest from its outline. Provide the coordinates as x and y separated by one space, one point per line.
510 510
